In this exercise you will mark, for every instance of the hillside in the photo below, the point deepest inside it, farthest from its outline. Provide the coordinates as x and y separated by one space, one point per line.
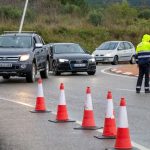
74 21
138 3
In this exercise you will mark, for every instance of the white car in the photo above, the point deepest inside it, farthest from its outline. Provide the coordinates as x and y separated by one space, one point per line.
114 52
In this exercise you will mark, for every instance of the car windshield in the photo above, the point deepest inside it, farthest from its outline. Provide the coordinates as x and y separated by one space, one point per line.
15 41
108 46
68 48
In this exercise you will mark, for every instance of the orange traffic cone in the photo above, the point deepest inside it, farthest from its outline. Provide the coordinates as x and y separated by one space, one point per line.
40 101
123 136
62 114
109 131
88 122
123 141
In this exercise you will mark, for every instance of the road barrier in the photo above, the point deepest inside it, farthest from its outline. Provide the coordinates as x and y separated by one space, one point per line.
122 135
88 121
62 113
40 106
109 131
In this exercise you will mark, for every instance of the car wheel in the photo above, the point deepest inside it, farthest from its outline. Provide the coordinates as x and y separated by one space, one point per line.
132 61
30 77
115 61
91 72
55 72
44 73
6 77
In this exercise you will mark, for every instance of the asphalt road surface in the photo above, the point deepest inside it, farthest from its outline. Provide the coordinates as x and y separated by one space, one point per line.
22 130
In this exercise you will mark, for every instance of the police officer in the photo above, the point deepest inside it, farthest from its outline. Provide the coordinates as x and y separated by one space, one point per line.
143 60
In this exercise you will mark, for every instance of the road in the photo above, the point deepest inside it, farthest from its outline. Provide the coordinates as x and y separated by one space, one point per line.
22 130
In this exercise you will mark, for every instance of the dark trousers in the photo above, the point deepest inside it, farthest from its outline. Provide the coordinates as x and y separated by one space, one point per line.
143 70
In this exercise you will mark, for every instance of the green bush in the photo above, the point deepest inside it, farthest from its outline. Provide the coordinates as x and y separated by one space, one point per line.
71 9
95 17
145 14
8 12
14 13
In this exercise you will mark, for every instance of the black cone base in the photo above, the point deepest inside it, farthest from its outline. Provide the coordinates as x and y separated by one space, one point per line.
105 137
40 111
61 121
133 148
88 128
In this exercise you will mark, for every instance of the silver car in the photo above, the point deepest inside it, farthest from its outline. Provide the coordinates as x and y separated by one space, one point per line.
114 52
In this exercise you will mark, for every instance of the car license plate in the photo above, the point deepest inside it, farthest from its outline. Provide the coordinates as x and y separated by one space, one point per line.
5 65
99 59
79 65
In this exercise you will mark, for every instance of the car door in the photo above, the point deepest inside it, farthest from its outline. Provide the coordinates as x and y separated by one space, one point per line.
40 53
51 48
121 51
37 52
128 51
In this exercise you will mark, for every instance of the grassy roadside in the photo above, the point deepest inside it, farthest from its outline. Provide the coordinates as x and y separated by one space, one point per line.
70 23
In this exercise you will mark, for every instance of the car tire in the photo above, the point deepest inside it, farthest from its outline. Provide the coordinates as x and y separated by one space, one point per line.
115 61
91 72
6 77
55 72
45 72
30 77
132 61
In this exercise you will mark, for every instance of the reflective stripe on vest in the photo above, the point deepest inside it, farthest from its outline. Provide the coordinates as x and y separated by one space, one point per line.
144 56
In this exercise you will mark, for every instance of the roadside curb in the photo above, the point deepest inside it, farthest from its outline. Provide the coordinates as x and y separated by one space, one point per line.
119 71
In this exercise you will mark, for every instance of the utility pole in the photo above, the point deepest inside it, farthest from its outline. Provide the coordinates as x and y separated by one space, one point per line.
23 15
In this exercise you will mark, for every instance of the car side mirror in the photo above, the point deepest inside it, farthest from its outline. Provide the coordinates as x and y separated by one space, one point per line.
38 45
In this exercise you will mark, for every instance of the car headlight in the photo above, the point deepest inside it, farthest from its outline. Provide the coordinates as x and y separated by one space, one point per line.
63 60
24 57
92 60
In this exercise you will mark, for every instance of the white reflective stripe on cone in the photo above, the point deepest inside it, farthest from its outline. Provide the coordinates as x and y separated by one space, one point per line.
109 110
40 90
62 99
123 119
88 103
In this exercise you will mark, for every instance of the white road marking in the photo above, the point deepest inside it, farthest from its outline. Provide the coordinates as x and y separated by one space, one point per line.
12 101
141 147
129 90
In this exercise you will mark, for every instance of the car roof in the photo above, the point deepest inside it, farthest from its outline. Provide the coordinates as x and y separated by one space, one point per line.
116 41
51 44
18 34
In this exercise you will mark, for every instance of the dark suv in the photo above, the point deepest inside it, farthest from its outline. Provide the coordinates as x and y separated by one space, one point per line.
23 54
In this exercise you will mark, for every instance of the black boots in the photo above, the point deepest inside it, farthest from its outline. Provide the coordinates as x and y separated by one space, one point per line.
147 91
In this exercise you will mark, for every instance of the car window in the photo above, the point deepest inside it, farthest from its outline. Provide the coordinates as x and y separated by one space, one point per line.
131 45
108 46
15 41
68 48
37 39
127 45
121 46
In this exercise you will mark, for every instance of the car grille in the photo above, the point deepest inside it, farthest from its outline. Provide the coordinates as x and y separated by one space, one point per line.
73 62
9 58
